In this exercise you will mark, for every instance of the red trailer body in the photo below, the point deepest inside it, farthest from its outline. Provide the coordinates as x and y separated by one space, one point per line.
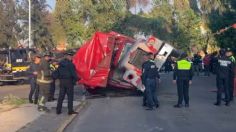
97 59
112 59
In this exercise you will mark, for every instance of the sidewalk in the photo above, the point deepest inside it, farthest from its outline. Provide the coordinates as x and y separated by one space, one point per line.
26 118
14 119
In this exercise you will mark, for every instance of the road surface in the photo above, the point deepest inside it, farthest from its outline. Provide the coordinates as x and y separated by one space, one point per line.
125 114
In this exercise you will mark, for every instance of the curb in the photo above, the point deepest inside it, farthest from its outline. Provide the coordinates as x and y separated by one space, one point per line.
71 118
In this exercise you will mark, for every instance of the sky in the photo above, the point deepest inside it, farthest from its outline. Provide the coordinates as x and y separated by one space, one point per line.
52 4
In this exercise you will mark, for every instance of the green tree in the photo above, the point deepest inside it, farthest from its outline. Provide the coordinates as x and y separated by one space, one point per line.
8 23
219 19
41 36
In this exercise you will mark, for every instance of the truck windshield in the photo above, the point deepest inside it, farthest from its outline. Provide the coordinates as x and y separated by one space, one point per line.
19 56
3 58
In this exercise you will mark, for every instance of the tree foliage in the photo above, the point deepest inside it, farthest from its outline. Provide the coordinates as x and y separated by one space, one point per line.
182 23
8 23
41 36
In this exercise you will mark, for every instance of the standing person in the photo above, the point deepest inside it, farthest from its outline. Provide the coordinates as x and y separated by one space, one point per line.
224 69
214 62
150 75
183 74
168 65
67 75
229 54
44 80
197 63
34 90
206 62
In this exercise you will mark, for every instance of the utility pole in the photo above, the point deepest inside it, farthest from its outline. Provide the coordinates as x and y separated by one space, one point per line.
29 23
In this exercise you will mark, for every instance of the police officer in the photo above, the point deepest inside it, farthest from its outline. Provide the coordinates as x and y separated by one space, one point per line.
67 75
183 74
44 80
150 75
229 54
34 90
224 70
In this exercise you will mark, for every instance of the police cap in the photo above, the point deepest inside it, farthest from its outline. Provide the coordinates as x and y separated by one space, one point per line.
183 55
222 52
69 53
47 54
38 56
229 50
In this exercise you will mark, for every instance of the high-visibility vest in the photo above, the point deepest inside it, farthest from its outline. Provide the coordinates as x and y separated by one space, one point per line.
183 65
232 59
53 67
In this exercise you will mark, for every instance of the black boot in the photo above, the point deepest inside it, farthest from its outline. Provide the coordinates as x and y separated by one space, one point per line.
177 106
217 104
227 104
72 112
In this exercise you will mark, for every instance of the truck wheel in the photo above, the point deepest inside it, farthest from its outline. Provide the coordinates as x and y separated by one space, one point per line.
21 82
1 83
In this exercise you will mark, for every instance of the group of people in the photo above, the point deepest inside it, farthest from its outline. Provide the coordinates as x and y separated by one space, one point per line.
42 74
182 76
222 64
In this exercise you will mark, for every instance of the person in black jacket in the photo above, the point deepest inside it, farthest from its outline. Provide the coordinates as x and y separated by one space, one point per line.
183 74
149 77
229 54
67 75
34 89
224 69
197 63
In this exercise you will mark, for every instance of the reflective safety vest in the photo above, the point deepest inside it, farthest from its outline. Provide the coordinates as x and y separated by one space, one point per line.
232 59
183 65
53 67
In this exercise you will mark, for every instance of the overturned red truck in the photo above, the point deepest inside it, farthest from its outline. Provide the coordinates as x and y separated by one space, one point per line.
112 59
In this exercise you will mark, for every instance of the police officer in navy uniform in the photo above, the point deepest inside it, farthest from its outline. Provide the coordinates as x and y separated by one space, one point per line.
229 54
67 76
150 75
224 70
183 74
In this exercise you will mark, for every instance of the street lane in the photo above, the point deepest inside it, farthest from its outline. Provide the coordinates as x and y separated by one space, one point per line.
125 114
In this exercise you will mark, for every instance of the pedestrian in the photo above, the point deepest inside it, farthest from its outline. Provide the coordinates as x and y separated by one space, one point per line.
34 89
229 54
150 75
44 80
206 62
168 65
197 63
66 74
183 74
224 71
214 62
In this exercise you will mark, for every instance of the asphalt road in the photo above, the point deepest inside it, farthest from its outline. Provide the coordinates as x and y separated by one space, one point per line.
125 114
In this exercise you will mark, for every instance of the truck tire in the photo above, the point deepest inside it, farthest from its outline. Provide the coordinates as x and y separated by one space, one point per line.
1 83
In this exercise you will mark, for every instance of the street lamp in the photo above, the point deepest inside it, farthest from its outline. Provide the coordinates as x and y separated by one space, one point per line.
29 23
